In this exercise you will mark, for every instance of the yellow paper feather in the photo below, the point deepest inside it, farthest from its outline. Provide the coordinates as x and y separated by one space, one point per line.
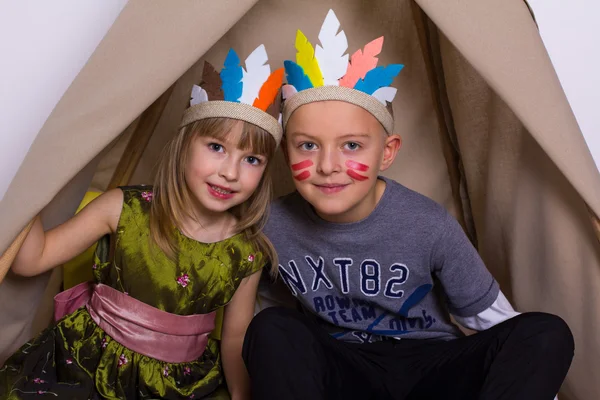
305 57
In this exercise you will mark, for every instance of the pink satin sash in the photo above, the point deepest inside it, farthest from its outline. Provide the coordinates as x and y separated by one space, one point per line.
137 325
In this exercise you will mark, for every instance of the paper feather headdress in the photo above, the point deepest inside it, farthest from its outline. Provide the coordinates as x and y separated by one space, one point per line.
327 74
249 94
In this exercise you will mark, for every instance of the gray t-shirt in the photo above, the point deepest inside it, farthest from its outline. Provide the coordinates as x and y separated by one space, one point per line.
396 273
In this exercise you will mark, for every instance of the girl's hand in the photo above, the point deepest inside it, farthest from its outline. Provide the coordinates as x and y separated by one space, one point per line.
238 314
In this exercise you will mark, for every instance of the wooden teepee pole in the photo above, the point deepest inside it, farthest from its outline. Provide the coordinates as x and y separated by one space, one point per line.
450 153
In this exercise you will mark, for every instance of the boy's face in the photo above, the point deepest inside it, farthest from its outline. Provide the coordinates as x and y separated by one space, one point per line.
336 151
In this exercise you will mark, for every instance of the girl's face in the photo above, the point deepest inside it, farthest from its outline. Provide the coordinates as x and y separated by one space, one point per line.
219 174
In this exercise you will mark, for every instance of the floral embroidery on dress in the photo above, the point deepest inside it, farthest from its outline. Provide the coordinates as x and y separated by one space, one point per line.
147 196
38 381
187 371
69 361
122 360
251 257
183 280
94 266
166 371
104 343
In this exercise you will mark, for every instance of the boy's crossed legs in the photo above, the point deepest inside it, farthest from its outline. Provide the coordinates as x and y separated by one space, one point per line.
290 357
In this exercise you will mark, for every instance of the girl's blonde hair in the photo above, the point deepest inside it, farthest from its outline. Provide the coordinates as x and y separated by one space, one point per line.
172 197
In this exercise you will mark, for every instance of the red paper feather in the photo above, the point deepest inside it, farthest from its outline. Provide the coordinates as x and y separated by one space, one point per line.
362 62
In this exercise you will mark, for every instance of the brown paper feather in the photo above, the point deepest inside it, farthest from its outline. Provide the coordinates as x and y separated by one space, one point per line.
211 82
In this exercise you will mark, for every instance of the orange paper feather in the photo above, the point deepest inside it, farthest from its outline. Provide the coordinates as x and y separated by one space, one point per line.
269 90
362 62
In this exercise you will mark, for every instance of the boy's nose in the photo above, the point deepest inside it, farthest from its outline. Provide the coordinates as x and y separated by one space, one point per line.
329 162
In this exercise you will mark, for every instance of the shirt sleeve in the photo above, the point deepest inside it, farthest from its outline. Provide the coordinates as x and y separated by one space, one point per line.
498 312
468 285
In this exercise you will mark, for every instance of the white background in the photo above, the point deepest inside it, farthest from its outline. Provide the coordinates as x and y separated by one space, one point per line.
571 33
43 46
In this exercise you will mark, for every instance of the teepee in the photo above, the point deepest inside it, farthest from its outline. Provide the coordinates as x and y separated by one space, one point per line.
487 130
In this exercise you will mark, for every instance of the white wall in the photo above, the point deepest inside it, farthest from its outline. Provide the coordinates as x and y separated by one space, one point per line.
43 46
571 33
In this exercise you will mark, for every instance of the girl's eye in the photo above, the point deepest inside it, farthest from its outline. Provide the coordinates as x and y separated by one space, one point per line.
215 147
352 146
308 146
253 160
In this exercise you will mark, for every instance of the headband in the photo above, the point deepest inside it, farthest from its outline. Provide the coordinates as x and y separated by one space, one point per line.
327 74
250 94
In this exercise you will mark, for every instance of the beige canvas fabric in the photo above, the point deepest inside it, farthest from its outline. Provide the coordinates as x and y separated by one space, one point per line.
527 170
522 176
533 229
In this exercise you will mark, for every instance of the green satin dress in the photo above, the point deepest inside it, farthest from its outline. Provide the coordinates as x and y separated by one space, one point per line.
75 359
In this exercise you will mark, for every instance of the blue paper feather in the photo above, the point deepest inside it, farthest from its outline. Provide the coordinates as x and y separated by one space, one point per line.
378 77
296 76
231 76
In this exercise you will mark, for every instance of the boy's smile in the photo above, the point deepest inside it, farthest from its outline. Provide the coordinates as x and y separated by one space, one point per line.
336 151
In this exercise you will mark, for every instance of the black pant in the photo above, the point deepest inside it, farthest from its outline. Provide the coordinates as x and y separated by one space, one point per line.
289 356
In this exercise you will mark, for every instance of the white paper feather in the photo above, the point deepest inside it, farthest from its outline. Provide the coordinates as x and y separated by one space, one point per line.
199 95
384 94
288 91
255 74
330 55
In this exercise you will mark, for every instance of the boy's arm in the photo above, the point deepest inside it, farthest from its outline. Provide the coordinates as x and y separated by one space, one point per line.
469 287
474 298
42 251
498 312
238 314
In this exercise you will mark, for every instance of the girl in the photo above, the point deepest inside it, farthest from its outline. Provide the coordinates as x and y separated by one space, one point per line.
168 258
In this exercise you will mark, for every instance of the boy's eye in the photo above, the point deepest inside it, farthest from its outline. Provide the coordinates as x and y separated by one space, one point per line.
308 146
253 160
352 146
215 147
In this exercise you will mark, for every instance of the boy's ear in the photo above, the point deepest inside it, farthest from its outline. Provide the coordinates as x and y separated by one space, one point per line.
390 150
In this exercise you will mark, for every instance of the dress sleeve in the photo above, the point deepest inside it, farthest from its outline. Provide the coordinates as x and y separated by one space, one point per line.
255 261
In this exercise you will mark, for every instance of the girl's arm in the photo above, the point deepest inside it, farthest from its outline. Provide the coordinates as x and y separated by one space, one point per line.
238 314
42 251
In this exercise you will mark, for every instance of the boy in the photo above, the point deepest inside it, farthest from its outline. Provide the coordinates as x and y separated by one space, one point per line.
378 267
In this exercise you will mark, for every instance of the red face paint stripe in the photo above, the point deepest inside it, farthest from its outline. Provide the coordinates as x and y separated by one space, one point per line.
352 174
302 176
302 165
357 166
